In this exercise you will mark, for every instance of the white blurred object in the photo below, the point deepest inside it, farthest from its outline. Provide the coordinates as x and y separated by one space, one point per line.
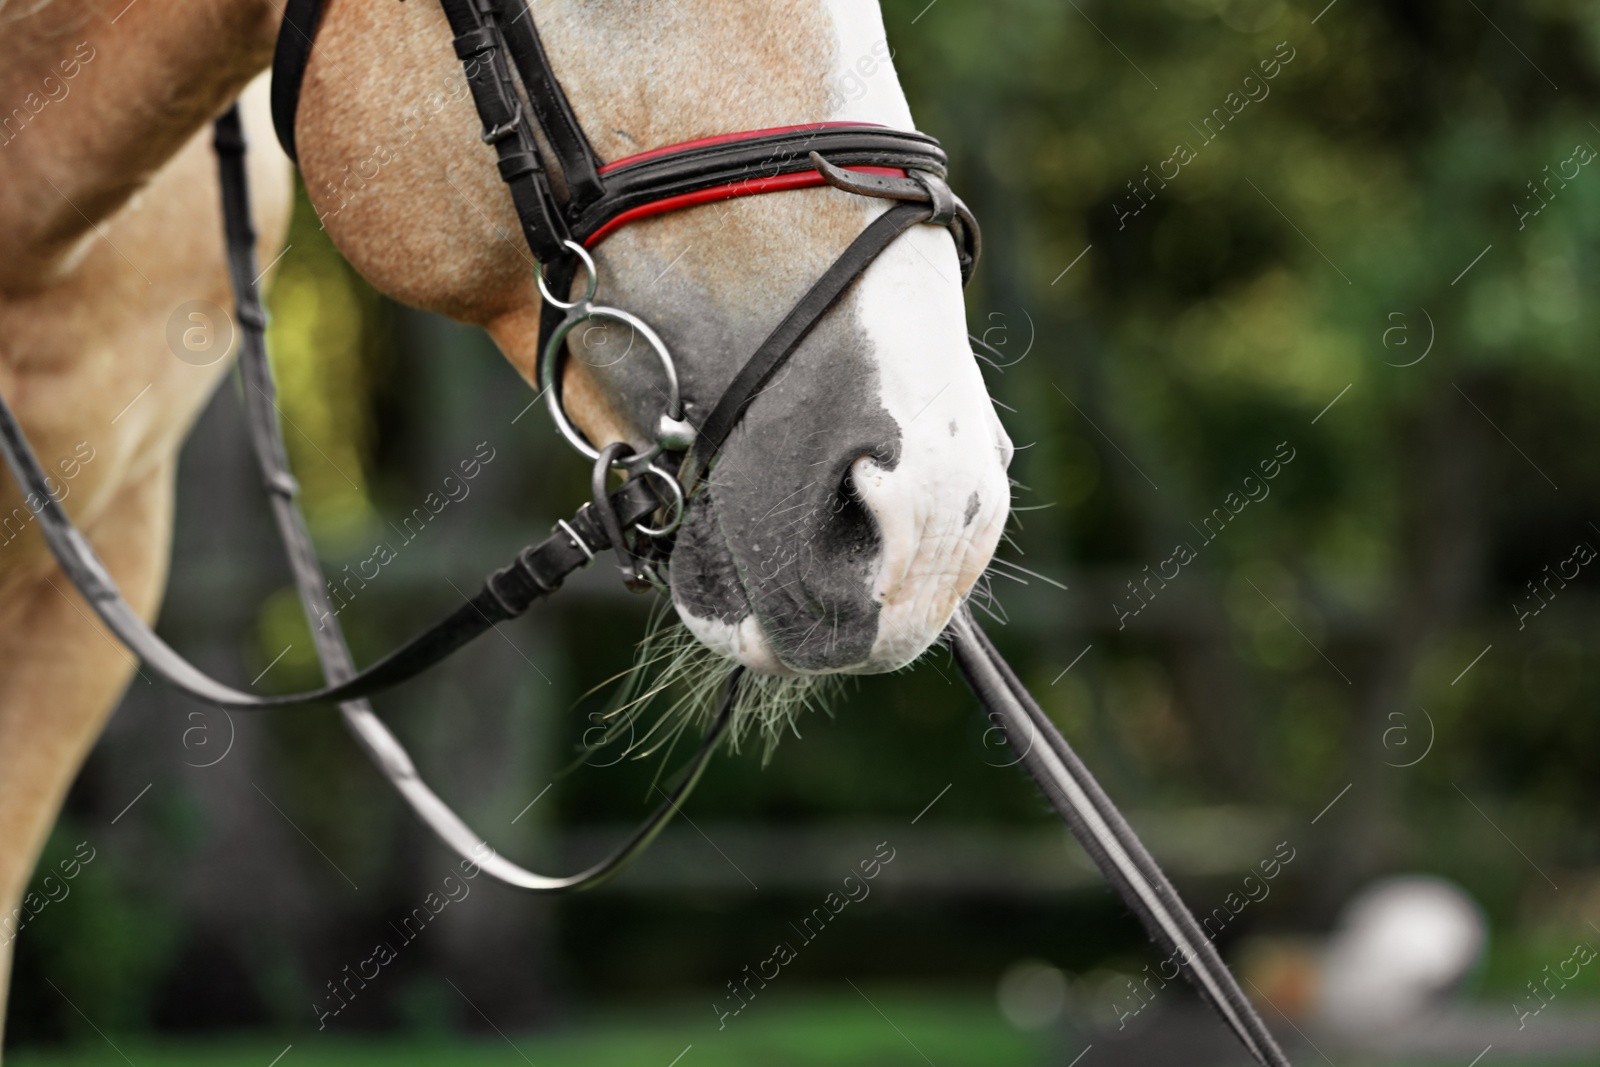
1032 994
1401 947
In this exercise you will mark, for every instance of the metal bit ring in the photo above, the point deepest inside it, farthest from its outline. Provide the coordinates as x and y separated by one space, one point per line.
678 505
593 279
671 432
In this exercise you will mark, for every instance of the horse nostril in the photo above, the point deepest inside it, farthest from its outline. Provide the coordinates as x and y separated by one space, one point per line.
849 527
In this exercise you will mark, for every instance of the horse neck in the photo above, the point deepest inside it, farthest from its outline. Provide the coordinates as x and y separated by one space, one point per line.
101 96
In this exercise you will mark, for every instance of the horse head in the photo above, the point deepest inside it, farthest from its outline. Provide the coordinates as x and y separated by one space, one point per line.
864 490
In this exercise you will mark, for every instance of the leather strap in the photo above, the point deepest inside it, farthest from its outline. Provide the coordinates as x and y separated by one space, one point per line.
289 61
682 169
918 186
737 165
537 571
1105 835
481 46
711 435
491 37
575 159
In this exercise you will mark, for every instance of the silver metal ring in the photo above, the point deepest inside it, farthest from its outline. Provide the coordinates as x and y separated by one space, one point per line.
671 431
589 290
677 503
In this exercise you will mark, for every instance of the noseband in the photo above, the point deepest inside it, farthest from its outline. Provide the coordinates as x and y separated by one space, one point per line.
517 95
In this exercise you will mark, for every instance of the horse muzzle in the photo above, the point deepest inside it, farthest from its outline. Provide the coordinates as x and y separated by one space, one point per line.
844 549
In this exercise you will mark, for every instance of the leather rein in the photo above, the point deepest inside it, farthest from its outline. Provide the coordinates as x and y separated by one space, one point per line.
517 95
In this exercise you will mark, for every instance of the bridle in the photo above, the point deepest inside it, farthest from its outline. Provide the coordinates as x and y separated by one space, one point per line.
519 100
517 95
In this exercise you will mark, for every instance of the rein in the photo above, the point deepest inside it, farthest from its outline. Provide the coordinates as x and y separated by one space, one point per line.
512 82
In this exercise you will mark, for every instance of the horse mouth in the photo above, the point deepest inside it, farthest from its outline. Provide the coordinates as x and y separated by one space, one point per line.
860 578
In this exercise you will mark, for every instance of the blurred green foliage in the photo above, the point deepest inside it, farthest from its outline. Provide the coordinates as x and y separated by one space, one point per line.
1255 289
967 1032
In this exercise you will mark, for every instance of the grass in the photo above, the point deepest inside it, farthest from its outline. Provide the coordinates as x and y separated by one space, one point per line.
838 1032
894 1029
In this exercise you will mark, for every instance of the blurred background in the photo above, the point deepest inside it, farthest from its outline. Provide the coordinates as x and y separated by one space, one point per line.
1294 287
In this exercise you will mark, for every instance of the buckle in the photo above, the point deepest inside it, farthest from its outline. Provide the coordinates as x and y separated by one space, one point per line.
506 128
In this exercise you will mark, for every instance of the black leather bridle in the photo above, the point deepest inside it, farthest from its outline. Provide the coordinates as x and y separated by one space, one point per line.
517 94
499 47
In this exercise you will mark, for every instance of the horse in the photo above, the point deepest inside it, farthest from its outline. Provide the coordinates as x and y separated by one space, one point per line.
849 513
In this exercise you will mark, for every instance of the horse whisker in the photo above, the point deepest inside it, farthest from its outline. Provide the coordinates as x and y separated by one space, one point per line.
684 679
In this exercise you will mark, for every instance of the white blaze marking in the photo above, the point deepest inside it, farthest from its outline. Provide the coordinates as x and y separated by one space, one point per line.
864 86
910 308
